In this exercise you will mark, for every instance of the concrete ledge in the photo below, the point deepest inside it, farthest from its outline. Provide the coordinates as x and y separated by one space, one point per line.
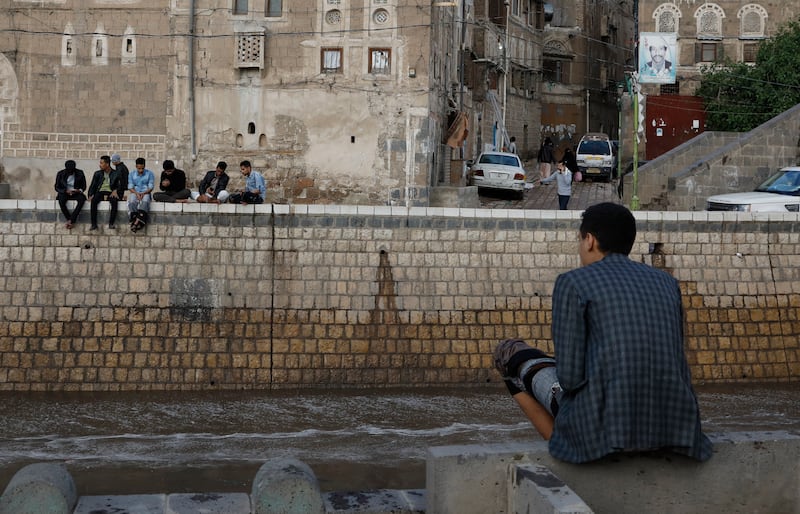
39 489
534 488
749 472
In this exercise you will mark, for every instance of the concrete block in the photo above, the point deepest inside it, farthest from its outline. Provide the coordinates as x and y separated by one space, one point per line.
534 488
39 488
286 486
208 503
128 504
407 501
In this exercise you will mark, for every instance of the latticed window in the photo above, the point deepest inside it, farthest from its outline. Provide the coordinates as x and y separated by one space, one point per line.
753 19
250 50
667 17
709 20
380 16
333 17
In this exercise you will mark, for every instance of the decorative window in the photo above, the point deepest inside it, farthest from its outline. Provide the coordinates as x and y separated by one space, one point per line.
380 61
749 52
515 7
250 50
709 20
331 60
240 7
380 16
69 53
707 52
753 21
380 2
333 17
556 62
334 2
671 89
273 8
667 18
129 47
100 46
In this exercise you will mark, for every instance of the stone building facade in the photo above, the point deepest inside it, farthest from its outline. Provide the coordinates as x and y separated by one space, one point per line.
708 32
334 100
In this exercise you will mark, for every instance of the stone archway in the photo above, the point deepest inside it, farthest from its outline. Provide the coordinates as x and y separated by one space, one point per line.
9 91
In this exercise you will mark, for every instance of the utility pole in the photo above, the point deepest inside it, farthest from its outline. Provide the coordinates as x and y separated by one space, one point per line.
506 62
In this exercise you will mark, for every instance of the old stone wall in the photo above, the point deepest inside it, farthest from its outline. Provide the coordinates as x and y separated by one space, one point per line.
272 296
717 163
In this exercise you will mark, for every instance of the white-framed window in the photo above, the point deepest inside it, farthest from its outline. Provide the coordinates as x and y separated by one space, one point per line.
709 20
99 48
250 50
129 46
380 61
753 21
69 54
667 18
331 60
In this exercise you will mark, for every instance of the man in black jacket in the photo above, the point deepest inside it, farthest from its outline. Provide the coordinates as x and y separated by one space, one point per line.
172 185
70 185
213 186
107 185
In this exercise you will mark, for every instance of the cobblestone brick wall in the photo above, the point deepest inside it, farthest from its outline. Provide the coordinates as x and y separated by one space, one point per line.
275 296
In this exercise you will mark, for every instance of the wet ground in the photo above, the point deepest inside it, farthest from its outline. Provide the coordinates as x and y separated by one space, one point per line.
123 443
540 196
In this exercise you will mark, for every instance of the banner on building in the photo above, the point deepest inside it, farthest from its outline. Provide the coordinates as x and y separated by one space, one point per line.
657 57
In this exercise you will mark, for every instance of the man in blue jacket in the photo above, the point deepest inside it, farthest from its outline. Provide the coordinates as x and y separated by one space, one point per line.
619 381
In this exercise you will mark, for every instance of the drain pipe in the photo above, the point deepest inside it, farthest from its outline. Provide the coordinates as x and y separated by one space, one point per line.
191 78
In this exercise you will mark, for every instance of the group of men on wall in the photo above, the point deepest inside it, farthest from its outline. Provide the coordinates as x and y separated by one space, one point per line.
114 179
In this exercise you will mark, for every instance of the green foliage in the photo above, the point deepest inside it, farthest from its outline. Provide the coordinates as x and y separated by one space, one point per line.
739 97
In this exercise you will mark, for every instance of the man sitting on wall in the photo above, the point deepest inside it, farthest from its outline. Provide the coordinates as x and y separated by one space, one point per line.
619 380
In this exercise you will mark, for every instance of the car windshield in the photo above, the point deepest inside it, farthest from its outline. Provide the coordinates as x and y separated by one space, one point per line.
785 182
504 160
594 148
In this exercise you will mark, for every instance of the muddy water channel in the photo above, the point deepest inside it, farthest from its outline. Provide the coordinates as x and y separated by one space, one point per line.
123 443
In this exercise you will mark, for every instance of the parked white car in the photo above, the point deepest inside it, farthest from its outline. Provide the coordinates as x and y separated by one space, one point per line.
779 193
498 170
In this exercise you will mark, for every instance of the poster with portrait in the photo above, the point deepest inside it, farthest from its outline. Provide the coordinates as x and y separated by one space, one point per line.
657 57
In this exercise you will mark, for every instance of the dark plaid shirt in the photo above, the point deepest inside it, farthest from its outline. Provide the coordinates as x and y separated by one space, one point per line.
618 337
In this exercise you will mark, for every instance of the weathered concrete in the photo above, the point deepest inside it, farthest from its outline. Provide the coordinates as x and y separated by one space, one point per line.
39 489
286 486
749 472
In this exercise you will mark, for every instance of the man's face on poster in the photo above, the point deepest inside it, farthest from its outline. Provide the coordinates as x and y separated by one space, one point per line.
657 54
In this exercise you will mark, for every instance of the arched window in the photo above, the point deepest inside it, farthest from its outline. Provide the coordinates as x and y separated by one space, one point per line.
99 49
709 20
753 20
667 17
69 54
129 46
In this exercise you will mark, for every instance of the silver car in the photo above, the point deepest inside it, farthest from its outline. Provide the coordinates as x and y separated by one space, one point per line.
498 170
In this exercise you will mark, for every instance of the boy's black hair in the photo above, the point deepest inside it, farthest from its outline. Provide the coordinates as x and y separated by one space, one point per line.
613 226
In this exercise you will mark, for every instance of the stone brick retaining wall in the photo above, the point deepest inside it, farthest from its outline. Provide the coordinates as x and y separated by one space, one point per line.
277 296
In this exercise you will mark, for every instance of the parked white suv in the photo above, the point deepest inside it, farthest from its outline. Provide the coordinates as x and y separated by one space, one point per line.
595 156
779 193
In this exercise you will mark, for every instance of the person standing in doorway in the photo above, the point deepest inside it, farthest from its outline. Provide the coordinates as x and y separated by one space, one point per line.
563 177
70 185
546 157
